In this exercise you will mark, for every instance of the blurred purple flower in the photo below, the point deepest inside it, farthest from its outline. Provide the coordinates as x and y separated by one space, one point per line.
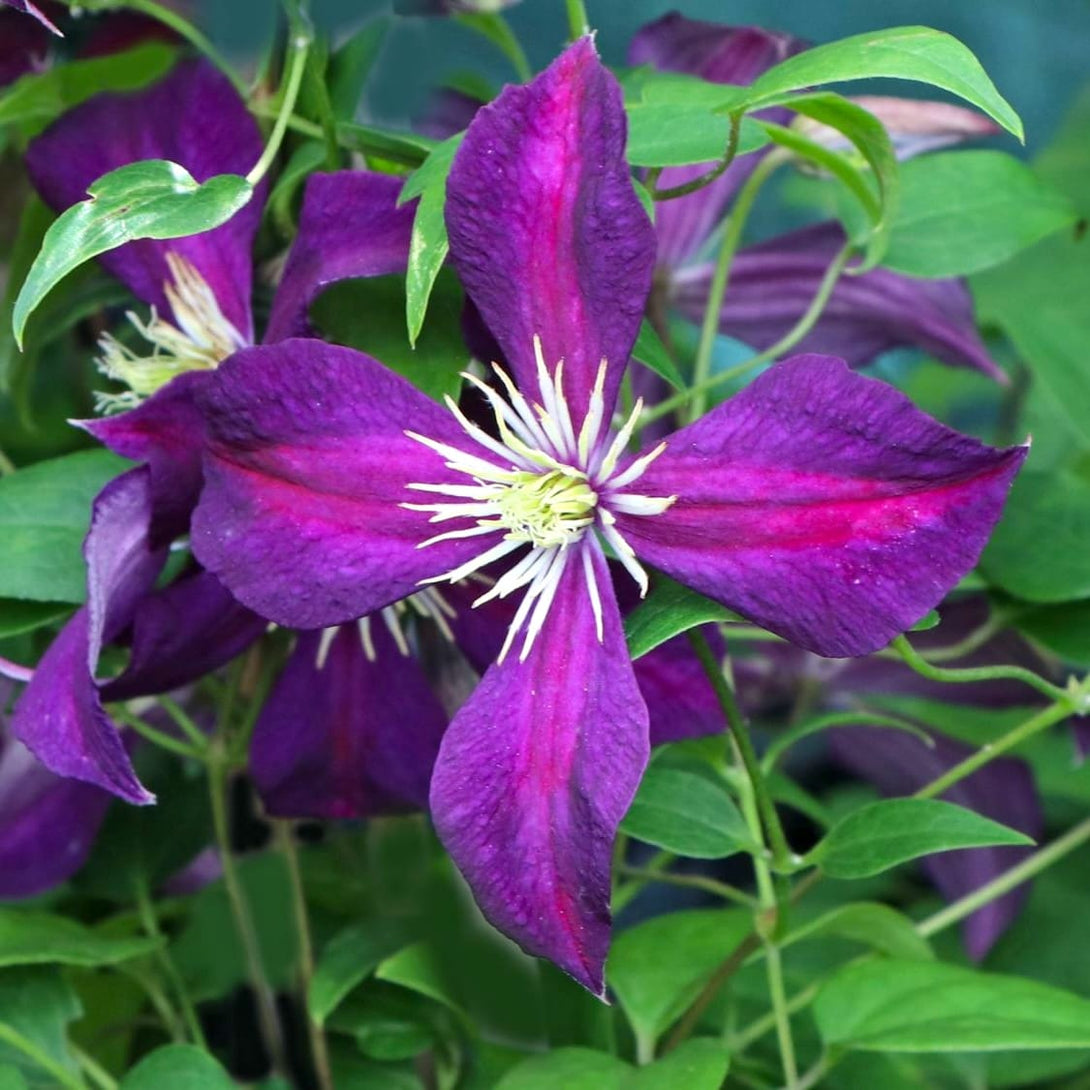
32 10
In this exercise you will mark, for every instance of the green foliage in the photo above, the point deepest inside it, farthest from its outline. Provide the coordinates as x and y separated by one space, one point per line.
572 1068
44 513
877 926
651 352
152 198
669 610
37 938
177 1067
348 959
884 834
36 1005
931 1006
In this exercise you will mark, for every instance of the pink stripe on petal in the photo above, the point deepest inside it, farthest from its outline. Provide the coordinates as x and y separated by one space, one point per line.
536 772
823 505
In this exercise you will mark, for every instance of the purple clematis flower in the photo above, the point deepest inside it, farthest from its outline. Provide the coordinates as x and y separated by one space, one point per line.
773 283
821 504
200 287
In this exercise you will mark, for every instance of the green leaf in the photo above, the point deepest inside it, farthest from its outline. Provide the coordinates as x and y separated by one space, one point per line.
38 98
177 1067
964 211
153 198
37 1003
37 938
676 134
307 158
570 1068
349 958
352 63
651 352
17 617
884 834
875 925
686 813
930 1006
415 967
33 224
698 1064
11 1078
427 251
668 610
1063 629
404 148
657 968
912 52
45 510
1039 549
368 314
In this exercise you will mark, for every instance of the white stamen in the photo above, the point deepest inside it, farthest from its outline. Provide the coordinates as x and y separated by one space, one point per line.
324 644
548 488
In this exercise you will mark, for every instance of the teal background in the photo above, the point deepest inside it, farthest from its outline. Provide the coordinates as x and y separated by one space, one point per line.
1038 53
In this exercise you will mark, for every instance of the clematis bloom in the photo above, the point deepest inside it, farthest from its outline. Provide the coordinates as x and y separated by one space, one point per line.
818 503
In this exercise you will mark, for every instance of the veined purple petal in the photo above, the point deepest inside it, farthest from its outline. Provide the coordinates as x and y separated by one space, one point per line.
536 772
899 764
47 824
546 230
34 11
60 716
344 735
719 54
823 505
306 470
193 117
773 283
350 226
166 432
182 633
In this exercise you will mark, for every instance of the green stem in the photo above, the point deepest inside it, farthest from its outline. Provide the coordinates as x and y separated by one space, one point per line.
695 184
299 48
156 737
732 236
286 842
494 27
168 1016
184 29
184 722
787 341
218 788
782 1015
781 852
7 466
95 1071
578 24
28 1048
150 921
690 881
1034 725
917 662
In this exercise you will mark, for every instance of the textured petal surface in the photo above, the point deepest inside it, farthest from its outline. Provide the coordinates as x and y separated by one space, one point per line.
350 226
719 54
307 467
182 633
47 823
899 764
60 716
773 284
193 117
344 736
166 432
823 505
545 228
535 774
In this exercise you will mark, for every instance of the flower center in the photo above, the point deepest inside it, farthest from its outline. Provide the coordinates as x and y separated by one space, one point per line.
547 509
201 340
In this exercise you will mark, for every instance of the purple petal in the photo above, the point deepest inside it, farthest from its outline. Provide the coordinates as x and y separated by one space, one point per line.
182 633
719 54
193 117
823 505
344 735
47 824
681 702
899 764
773 283
546 230
307 468
60 716
33 10
535 774
23 47
166 432
350 226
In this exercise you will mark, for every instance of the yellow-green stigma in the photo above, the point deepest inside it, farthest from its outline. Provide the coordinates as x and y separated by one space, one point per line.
201 340
547 509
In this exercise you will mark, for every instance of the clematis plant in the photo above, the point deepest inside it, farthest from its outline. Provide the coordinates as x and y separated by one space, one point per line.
820 504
